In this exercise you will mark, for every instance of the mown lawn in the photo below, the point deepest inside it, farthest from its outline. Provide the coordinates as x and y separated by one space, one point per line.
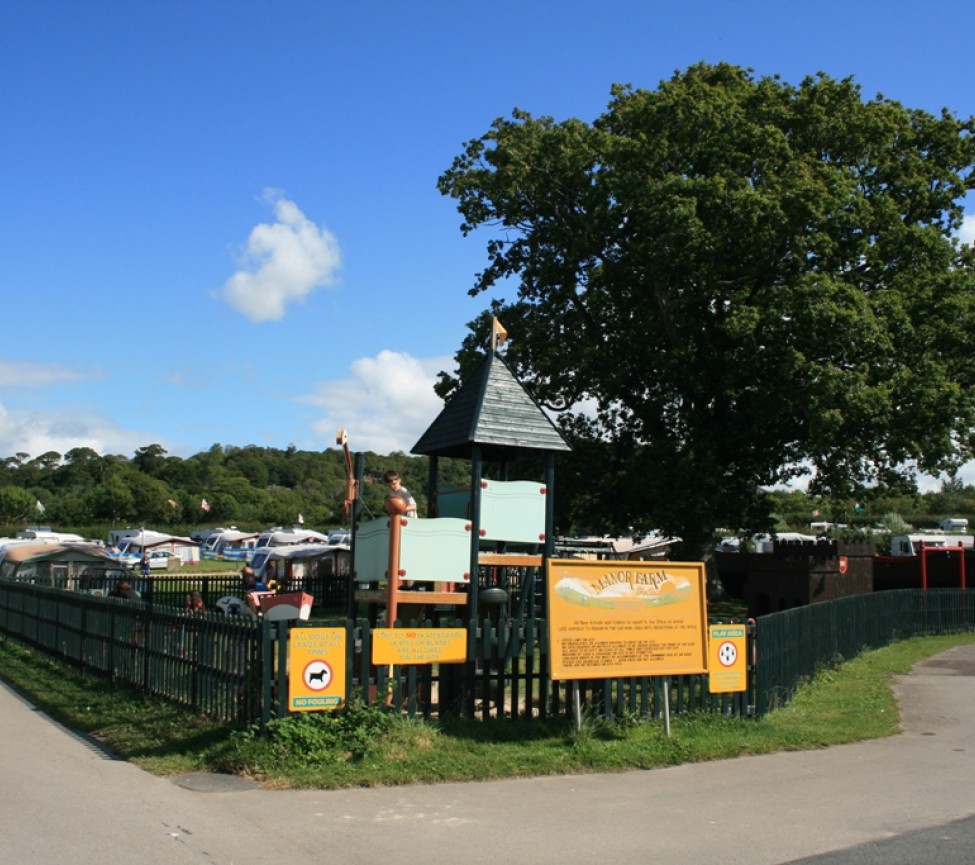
363 746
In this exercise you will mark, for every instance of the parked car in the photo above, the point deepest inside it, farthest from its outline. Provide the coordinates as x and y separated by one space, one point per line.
163 560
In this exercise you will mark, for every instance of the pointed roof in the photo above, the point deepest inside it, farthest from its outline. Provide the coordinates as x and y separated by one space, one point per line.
492 409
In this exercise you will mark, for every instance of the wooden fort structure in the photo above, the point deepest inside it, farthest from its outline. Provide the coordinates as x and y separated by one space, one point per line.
482 545
797 573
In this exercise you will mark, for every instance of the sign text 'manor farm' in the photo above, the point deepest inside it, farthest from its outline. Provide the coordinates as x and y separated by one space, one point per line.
638 619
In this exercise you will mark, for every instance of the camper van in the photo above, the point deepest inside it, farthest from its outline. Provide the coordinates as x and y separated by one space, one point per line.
953 524
765 543
229 544
298 562
131 549
279 536
46 535
911 545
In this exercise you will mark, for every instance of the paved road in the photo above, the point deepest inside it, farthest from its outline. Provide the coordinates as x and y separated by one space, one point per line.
906 799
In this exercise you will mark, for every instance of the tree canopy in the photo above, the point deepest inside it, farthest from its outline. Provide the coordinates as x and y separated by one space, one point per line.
729 282
251 487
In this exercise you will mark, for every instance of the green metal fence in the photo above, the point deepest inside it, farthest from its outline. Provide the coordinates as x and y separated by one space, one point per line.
793 645
209 663
172 589
235 668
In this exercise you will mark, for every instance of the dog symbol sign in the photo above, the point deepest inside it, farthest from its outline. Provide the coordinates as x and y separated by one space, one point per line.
318 675
316 669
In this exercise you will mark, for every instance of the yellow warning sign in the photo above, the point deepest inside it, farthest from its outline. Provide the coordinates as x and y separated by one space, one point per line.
316 669
419 645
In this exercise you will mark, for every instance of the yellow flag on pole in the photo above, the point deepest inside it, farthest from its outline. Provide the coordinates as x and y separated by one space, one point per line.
498 333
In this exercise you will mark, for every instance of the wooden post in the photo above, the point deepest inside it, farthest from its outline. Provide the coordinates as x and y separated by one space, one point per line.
477 468
392 573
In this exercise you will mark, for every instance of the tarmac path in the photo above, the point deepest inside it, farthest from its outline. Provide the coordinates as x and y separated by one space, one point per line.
909 798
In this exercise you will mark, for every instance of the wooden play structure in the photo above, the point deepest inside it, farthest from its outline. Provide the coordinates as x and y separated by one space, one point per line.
481 544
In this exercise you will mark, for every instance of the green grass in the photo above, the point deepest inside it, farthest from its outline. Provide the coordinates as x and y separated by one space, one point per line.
364 746
207 566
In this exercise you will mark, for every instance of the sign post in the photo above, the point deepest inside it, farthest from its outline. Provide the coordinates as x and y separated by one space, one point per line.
316 672
727 664
612 619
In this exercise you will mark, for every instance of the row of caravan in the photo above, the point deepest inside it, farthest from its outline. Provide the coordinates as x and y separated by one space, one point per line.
900 545
229 544
234 545
70 562
131 548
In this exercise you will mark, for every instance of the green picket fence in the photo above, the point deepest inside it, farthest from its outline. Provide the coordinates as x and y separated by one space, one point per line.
235 668
207 662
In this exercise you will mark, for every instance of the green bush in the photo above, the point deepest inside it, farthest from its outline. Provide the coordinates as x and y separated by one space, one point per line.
327 737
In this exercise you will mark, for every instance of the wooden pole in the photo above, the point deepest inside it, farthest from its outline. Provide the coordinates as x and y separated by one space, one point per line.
392 572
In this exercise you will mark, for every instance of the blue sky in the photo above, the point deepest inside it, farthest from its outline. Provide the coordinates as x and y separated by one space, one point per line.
221 221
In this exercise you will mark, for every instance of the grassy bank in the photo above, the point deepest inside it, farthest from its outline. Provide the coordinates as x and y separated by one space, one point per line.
365 747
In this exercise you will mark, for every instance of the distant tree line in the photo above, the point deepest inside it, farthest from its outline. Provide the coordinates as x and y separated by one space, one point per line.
255 487
250 487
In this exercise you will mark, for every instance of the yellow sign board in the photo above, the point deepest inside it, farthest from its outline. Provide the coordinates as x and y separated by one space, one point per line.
316 669
727 660
418 646
621 618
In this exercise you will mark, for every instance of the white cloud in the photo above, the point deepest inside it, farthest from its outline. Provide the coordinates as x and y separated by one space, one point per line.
281 263
385 405
967 231
37 432
19 373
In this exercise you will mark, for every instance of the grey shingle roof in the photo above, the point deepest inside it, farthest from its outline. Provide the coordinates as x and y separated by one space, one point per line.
491 409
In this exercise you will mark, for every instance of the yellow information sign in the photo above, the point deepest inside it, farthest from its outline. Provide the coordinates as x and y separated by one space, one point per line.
316 669
418 646
622 618
727 660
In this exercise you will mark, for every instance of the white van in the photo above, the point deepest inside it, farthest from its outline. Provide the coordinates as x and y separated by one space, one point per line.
953 524
910 545
765 543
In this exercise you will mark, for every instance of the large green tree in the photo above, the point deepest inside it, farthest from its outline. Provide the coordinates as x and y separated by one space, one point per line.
15 504
741 280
